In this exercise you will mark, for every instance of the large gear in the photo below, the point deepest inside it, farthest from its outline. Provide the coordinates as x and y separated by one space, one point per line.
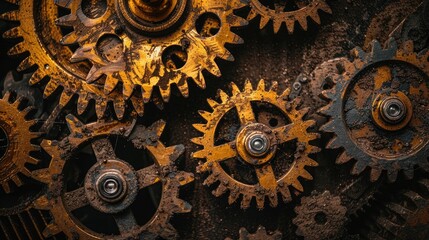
253 145
149 44
320 216
260 234
278 11
378 108
405 218
111 185
16 135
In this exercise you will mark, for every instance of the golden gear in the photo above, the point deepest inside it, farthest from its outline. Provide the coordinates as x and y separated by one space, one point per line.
277 12
377 110
41 38
15 142
260 234
127 45
111 185
255 145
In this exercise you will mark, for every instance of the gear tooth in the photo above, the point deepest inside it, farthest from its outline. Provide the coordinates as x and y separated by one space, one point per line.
48 147
273 200
168 232
306 175
198 141
69 39
66 21
63 3
37 76
277 25
285 192
223 96
185 177
252 14
211 179
274 86
73 123
82 103
101 106
220 190
236 21
248 86
42 203
146 93
200 81
324 7
290 24
10 16
6 96
285 95
391 43
358 168
328 127
233 196
297 185
205 115
376 47
19 48
227 55
158 127
65 98
213 104
398 209
303 23
184 89
316 18
388 225
50 88
12 33
119 109
392 174
165 93
245 202
235 89
33 160
261 85
408 46
200 127
263 22
334 143
182 206
214 69
6 187
375 174
260 202
343 158
127 89
138 105
51 230
17 180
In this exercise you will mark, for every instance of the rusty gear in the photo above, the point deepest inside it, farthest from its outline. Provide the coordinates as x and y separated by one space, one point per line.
377 110
320 216
15 142
279 14
41 38
406 218
111 184
147 44
262 136
260 234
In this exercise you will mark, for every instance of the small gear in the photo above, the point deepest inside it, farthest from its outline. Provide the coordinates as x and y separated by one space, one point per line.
288 12
320 216
377 110
260 234
248 157
149 44
111 186
41 38
15 142
406 218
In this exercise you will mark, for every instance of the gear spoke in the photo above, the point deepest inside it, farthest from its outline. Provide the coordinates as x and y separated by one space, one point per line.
103 150
125 221
245 113
148 176
266 177
75 199
283 135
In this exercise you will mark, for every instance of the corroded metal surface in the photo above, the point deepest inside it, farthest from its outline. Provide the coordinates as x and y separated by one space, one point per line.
260 234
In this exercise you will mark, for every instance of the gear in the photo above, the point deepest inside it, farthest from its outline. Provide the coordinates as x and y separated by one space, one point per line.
377 110
254 146
111 186
406 219
151 43
41 37
288 12
15 142
320 216
260 234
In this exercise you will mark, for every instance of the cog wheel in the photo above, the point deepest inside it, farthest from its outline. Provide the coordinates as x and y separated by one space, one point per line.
151 43
377 111
15 142
260 234
288 12
41 38
320 216
406 218
111 185
255 145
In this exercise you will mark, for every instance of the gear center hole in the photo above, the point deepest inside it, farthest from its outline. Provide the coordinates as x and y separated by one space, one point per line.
320 218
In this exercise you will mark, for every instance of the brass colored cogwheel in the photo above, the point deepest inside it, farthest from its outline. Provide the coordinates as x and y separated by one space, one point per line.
255 143
260 234
111 186
147 44
278 11
377 109
41 38
15 142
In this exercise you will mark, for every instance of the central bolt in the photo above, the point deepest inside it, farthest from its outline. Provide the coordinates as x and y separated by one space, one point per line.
111 187
257 144
151 10
393 110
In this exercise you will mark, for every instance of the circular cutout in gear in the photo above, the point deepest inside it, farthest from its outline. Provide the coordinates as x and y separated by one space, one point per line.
254 145
377 111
